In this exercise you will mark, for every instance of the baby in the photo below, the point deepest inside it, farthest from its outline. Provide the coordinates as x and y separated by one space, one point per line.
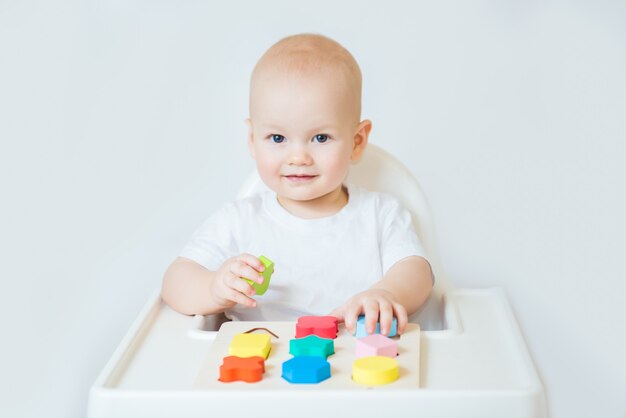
338 249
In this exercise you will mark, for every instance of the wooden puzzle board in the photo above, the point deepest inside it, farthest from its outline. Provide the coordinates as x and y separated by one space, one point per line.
340 362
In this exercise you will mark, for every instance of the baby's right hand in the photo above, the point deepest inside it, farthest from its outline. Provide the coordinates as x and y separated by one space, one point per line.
228 288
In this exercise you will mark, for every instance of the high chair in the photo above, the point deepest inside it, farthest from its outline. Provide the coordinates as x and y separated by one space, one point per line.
469 360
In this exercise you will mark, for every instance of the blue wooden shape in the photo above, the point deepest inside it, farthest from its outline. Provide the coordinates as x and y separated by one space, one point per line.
361 332
306 369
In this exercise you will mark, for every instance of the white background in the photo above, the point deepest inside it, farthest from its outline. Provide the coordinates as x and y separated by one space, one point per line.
121 127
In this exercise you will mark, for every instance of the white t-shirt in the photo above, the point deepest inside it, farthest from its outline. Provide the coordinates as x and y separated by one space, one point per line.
319 263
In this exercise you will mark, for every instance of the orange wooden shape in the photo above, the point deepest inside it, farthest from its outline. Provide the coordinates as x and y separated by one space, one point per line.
247 369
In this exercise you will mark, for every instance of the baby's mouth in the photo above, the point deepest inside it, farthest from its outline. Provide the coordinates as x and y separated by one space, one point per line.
299 178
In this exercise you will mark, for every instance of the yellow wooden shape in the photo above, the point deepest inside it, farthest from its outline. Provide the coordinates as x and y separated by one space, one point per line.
375 370
250 345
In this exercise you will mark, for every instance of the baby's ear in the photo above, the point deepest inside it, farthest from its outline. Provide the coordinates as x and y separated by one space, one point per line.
360 139
250 138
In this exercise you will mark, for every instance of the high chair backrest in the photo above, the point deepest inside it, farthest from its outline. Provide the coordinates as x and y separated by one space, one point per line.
381 172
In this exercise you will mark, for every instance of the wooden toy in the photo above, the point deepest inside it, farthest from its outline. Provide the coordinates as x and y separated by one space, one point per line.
322 326
376 345
267 275
311 345
375 370
361 331
341 362
250 345
306 369
248 369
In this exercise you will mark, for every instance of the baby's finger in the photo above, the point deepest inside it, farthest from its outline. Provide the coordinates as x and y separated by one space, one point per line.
370 308
350 316
402 317
337 313
242 269
240 298
385 317
235 282
252 261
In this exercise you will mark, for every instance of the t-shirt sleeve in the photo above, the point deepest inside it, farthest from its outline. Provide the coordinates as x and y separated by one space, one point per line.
213 242
398 237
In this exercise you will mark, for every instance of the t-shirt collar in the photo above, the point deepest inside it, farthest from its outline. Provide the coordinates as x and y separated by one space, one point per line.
316 225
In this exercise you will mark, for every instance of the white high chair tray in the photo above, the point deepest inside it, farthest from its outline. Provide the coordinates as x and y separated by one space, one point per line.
477 367
340 362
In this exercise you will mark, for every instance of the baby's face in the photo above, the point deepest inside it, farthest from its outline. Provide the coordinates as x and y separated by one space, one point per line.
302 133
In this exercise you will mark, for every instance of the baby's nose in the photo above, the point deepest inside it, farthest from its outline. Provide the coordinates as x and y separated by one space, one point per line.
299 155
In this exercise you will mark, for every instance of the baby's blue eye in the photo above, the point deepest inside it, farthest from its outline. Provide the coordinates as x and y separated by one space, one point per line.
321 138
278 138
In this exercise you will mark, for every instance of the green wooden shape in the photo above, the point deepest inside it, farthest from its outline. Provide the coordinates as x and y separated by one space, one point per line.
267 275
311 345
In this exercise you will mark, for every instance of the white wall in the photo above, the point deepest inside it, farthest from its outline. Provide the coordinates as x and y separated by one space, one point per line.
121 127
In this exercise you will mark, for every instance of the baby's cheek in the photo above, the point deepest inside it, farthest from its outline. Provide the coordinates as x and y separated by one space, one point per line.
339 167
266 165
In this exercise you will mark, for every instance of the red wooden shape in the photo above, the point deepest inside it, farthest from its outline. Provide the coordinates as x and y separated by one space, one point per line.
248 369
322 326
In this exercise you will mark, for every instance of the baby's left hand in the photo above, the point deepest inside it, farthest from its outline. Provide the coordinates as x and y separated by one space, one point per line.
377 305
